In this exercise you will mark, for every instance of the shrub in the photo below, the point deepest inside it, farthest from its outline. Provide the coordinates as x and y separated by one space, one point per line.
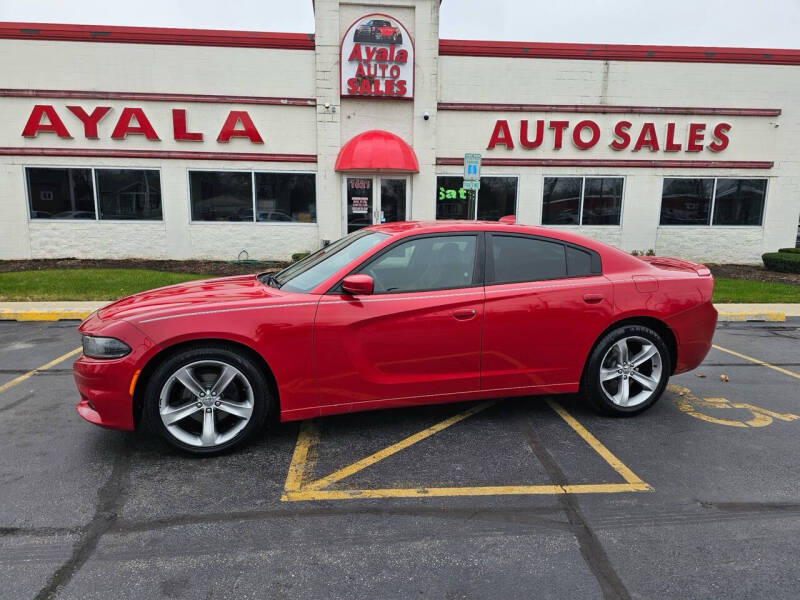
785 262
299 256
790 250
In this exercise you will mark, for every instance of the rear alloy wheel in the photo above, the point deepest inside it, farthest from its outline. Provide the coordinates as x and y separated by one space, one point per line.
627 371
206 400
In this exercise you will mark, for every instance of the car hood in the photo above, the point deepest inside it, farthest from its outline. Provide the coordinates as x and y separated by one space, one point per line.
193 294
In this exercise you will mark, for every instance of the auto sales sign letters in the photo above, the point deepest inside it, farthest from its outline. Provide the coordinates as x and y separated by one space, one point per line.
377 59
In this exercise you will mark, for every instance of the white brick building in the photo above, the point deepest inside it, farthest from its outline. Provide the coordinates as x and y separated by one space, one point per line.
168 143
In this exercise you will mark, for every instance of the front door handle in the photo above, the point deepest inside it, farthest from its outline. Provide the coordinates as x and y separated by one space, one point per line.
464 314
592 298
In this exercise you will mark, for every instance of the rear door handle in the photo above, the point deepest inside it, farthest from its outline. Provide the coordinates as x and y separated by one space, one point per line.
592 298
464 314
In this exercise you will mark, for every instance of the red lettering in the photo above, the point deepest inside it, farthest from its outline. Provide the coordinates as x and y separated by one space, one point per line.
401 86
558 128
695 137
248 129
501 135
124 125
720 139
394 71
647 138
364 89
54 125
90 121
382 55
622 137
390 87
402 57
355 53
576 134
523 134
352 85
179 127
370 52
671 145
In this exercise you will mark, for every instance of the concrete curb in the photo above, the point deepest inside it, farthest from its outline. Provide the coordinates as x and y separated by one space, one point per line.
774 317
43 315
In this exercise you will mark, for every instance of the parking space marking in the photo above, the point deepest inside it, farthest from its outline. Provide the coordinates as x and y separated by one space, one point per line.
758 361
33 372
299 488
761 417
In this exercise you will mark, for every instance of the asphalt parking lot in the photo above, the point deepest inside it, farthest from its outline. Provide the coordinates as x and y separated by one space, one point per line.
524 498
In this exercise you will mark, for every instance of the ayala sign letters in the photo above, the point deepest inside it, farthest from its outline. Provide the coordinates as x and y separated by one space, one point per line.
377 59
624 135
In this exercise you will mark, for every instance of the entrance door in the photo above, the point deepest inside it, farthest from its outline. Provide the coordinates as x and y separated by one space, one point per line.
370 200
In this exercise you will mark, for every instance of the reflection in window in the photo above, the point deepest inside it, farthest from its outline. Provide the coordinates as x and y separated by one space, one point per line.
221 195
128 194
497 198
526 259
720 201
582 200
286 197
60 193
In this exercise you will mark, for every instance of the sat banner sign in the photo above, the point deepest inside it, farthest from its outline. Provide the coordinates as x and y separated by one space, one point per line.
377 59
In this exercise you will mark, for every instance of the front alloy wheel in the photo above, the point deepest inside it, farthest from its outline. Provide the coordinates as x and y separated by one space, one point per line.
206 400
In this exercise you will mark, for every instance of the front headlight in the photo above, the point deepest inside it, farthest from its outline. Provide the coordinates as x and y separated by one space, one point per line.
104 347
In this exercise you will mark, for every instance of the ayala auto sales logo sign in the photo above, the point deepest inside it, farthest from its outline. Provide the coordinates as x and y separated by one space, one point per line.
377 59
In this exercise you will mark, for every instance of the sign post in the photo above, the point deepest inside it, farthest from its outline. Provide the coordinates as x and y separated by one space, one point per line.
472 171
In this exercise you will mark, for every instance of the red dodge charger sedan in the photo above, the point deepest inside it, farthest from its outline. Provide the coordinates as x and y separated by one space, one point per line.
396 315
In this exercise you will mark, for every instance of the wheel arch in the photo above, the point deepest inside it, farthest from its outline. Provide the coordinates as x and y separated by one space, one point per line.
163 354
657 325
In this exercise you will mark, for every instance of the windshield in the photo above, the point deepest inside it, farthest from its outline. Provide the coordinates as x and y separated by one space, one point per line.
307 274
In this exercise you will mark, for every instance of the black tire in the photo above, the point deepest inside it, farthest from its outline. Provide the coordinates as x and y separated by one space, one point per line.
249 373
598 393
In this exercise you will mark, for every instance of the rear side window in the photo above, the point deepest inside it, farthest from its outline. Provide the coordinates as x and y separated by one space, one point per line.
579 262
526 259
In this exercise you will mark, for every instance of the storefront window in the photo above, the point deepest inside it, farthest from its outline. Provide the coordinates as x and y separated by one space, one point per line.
221 195
693 201
60 193
128 194
582 200
286 197
497 198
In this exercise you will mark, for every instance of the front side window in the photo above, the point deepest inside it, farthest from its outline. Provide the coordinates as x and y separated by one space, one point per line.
60 193
496 198
421 264
712 201
128 194
516 259
582 200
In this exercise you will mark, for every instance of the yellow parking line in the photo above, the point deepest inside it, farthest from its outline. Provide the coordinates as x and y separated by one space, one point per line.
395 448
33 372
615 463
758 362
303 457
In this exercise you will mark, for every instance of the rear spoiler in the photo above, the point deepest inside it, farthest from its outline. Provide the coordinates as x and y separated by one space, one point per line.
677 263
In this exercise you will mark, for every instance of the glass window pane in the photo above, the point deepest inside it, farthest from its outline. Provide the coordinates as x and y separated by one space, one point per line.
359 203
497 198
527 259
128 194
739 201
221 196
579 262
432 263
686 201
602 200
561 201
286 197
60 193
452 200
393 200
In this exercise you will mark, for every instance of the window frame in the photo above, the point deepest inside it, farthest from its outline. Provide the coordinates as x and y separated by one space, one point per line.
92 170
253 173
477 268
710 223
583 179
595 258
516 176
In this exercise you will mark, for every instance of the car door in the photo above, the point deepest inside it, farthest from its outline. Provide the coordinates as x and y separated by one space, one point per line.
546 303
417 337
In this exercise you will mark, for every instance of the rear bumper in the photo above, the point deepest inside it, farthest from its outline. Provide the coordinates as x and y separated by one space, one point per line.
694 332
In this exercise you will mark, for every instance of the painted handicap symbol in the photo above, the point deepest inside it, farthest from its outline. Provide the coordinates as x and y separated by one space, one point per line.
689 404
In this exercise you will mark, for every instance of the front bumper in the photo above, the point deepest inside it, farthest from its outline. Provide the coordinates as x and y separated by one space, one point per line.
106 386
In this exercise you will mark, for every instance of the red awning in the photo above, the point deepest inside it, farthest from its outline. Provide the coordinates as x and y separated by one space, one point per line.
377 150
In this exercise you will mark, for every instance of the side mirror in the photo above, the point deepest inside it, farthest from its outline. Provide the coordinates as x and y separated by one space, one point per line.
359 284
